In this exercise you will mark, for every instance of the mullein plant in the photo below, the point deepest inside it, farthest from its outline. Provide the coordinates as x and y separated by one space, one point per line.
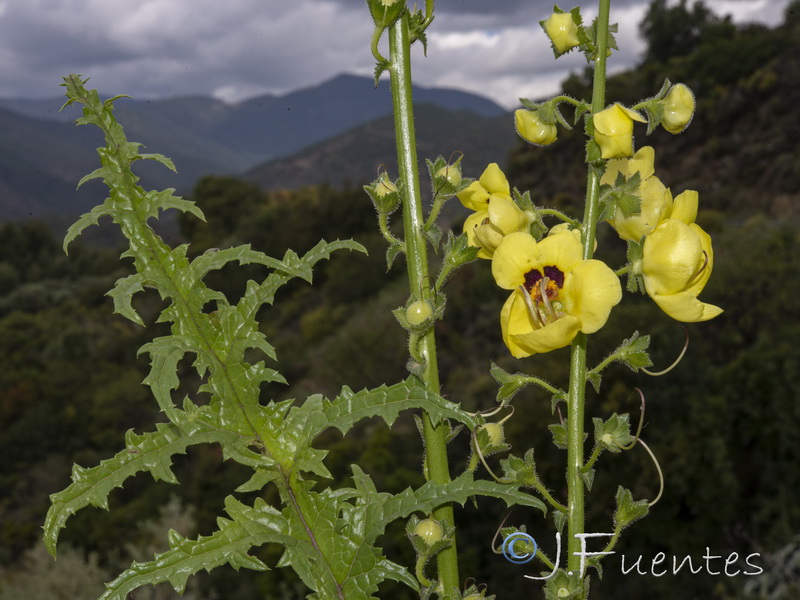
558 293
328 534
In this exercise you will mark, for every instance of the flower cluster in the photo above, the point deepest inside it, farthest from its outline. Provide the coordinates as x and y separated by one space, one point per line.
496 214
676 254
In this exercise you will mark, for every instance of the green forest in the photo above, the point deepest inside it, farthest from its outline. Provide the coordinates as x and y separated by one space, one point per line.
724 424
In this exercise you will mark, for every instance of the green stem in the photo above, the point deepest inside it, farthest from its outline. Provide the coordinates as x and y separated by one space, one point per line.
542 384
577 382
552 212
418 277
438 202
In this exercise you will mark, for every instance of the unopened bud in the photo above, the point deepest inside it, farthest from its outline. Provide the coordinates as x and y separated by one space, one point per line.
562 31
678 108
532 129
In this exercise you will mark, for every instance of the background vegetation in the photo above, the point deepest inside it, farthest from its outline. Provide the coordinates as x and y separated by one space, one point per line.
724 424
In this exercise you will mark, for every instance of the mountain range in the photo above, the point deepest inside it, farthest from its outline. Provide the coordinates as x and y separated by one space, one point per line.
43 155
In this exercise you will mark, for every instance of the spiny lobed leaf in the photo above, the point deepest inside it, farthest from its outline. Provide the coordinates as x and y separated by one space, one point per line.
151 451
337 529
248 527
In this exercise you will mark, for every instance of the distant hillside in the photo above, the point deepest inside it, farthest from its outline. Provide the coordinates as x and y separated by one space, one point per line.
355 156
42 156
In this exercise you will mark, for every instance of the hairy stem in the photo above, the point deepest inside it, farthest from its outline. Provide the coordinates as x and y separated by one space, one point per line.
577 383
418 276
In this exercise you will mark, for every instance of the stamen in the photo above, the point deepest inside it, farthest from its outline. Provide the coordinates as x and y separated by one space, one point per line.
549 307
700 270
532 312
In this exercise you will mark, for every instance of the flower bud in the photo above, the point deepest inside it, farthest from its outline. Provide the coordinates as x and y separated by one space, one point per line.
451 173
385 186
613 130
678 108
495 433
562 31
531 128
418 312
430 531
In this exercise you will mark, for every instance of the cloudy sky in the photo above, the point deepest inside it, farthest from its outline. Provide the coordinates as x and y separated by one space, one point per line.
241 48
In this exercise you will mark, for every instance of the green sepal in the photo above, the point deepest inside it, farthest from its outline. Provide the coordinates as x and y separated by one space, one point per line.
559 433
613 434
635 282
654 107
510 384
416 30
457 253
566 586
633 352
520 471
383 15
628 510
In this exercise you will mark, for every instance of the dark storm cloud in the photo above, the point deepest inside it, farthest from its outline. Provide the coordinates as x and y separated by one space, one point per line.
241 48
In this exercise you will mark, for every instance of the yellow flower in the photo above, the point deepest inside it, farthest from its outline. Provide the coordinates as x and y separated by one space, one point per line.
656 198
678 108
531 128
496 214
613 130
676 264
492 183
562 31
555 293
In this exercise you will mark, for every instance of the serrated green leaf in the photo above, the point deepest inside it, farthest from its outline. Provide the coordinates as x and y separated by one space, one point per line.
86 220
122 294
392 252
387 402
147 452
249 527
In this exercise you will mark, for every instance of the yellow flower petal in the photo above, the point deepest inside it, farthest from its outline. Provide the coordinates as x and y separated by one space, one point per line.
471 225
562 250
684 207
506 215
672 255
685 307
613 130
516 255
642 162
475 197
550 337
591 290
494 181
706 263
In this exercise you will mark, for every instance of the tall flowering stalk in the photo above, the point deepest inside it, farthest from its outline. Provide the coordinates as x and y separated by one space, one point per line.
559 293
